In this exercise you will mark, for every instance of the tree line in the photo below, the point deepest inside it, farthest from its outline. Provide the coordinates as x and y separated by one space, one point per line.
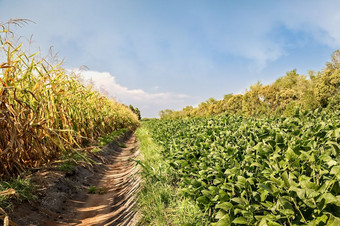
282 97
136 111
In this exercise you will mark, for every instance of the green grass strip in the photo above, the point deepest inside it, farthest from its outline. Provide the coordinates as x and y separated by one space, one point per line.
160 201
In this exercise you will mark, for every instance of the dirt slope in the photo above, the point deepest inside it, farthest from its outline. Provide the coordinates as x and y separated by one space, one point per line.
64 198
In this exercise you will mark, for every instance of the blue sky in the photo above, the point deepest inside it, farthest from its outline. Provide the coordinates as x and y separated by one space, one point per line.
158 54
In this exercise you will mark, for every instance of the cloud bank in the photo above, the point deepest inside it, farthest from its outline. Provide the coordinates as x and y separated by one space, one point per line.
149 103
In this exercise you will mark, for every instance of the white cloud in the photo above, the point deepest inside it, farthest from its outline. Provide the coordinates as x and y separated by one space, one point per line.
319 18
149 103
184 46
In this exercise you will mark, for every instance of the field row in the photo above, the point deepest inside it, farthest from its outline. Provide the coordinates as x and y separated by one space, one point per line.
46 111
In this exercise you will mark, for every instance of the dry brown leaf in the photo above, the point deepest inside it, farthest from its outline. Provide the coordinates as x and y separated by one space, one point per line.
7 192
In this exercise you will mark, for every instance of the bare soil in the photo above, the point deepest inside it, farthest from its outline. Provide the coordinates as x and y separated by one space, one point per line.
64 198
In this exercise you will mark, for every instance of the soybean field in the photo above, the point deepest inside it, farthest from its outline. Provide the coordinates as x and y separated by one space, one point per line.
257 171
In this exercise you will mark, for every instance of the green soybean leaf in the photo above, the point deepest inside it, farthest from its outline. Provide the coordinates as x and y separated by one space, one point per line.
220 214
279 138
239 200
272 223
323 219
333 221
266 187
328 197
203 200
218 181
240 220
336 171
285 179
224 221
335 147
226 206
290 154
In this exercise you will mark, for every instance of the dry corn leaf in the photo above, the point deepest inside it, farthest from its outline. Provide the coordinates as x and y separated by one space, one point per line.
7 192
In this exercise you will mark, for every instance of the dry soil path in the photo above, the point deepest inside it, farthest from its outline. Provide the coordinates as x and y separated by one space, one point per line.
64 199
115 198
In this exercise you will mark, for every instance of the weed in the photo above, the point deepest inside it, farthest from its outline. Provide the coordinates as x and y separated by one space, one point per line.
67 166
21 189
106 139
96 150
96 190
101 191
92 190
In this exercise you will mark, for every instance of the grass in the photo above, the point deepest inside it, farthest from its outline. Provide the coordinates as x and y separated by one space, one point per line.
160 201
72 158
96 190
22 190
106 139
92 190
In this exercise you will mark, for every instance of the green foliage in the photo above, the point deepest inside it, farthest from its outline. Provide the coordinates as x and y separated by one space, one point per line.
104 140
92 190
22 189
96 190
166 114
71 158
328 89
67 166
136 111
257 171
282 97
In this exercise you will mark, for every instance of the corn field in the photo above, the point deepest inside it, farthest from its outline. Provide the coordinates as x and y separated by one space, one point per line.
45 110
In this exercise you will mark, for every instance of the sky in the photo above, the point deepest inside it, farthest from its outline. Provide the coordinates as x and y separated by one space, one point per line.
160 54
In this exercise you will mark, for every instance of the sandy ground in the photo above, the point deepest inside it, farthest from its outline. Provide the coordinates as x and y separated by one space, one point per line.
64 199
